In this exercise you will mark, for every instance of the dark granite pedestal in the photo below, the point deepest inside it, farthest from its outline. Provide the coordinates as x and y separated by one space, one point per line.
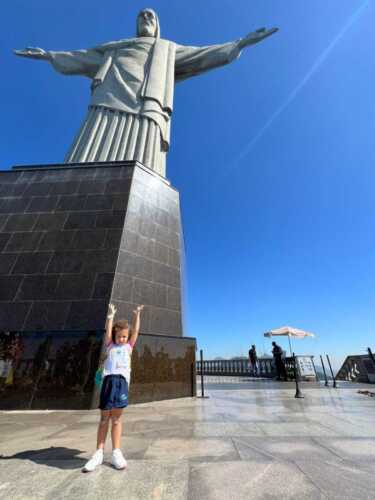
72 239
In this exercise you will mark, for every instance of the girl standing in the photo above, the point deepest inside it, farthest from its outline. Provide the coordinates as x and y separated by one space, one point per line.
119 343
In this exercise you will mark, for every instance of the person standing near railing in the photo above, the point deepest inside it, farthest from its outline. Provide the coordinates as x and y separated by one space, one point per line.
253 359
277 353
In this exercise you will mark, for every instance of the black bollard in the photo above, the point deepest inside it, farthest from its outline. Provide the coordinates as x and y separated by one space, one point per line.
298 394
333 377
371 355
202 379
324 371
312 361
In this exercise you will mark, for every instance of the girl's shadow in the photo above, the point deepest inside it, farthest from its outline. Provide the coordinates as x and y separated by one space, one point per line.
59 457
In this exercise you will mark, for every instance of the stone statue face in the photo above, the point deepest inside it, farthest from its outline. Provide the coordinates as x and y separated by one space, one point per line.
146 23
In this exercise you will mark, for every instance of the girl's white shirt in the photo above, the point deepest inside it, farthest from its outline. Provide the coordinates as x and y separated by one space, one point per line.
118 360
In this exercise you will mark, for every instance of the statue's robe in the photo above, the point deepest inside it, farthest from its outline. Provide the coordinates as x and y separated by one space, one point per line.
132 95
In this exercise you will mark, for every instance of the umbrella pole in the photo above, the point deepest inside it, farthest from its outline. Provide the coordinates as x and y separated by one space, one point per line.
290 346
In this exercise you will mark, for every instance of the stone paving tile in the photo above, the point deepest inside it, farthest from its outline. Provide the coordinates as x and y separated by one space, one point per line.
185 432
27 479
203 413
211 449
27 435
357 449
296 429
250 415
225 429
250 480
339 480
362 429
276 448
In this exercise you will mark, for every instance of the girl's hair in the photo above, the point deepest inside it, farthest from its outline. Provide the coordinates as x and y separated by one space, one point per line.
122 324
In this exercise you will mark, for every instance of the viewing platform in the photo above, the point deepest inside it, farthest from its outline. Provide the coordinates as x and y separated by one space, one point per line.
249 439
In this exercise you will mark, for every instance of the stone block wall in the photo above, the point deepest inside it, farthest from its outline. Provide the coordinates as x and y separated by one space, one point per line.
74 238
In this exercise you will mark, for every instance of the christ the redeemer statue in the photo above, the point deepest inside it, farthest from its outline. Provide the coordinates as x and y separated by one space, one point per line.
132 87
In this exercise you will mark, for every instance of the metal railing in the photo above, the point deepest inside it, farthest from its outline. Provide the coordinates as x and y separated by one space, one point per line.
237 367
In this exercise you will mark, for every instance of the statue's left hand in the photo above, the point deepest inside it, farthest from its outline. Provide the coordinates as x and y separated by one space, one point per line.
256 37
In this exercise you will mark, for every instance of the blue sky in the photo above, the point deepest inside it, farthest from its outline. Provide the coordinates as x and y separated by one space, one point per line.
273 156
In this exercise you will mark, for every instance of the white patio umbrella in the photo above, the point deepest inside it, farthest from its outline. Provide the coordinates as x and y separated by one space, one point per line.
288 331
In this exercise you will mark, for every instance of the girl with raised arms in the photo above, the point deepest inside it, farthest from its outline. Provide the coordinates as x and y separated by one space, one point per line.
119 343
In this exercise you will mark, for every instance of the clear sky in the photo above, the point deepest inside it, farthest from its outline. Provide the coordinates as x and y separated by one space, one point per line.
273 156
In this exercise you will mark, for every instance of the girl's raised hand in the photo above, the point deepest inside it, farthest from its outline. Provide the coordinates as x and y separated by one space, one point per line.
111 311
139 309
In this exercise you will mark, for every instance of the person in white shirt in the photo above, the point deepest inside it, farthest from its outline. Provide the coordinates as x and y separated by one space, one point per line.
119 343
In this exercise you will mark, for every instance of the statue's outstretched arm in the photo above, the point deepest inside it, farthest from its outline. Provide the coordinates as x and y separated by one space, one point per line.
193 61
75 62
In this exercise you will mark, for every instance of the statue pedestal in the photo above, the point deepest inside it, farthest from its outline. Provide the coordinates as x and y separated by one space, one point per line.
73 238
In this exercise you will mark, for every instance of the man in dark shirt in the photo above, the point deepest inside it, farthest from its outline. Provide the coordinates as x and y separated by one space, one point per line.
253 358
277 353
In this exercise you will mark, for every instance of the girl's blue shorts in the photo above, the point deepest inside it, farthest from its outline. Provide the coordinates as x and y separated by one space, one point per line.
114 392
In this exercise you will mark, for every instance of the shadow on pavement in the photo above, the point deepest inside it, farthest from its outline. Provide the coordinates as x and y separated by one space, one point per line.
59 457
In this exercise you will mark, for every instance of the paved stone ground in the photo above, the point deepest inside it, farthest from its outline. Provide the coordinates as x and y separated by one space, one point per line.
248 440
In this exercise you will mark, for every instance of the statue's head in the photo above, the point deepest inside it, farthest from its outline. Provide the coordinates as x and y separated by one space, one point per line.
148 23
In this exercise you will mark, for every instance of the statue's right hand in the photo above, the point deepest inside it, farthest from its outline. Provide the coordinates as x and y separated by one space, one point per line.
256 37
33 52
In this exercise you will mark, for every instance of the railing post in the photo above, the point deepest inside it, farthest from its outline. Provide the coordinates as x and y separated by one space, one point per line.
324 371
371 355
298 394
202 380
333 377
204 366
312 361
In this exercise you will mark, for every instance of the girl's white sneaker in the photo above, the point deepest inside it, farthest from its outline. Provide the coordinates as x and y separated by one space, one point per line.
118 460
95 460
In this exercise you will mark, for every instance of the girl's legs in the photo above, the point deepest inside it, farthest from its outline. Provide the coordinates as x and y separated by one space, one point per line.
97 458
103 428
116 415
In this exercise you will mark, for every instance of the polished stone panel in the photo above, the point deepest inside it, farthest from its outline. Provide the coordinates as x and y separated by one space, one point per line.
57 369
48 370
163 368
